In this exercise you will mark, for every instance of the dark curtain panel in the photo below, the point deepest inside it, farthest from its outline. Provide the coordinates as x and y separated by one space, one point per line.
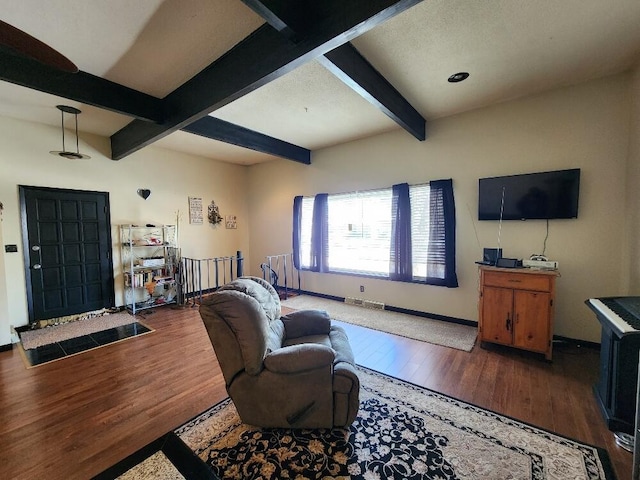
320 234
400 265
441 261
297 219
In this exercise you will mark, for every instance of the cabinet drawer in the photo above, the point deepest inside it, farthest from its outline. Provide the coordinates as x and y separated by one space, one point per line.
520 281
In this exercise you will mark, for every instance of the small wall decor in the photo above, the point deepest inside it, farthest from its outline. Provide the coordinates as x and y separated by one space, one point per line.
214 214
144 192
230 221
195 210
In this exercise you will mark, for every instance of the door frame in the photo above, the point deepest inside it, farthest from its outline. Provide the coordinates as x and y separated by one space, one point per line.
25 239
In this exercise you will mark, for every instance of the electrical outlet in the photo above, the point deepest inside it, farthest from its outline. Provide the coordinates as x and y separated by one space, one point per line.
362 288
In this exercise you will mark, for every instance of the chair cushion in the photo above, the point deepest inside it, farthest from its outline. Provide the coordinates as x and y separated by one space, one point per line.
299 358
261 291
321 339
247 320
306 322
250 307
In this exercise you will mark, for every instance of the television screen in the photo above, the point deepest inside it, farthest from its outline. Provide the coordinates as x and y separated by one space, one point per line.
544 195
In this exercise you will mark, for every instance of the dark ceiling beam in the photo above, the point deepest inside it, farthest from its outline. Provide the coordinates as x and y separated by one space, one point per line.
81 87
107 95
260 58
217 129
346 63
271 18
289 17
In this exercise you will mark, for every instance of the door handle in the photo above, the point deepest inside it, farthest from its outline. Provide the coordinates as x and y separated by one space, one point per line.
37 266
508 324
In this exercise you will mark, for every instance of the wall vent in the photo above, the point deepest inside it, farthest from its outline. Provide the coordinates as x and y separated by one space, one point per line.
364 303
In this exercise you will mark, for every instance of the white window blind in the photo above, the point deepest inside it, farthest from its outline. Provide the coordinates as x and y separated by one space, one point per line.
419 198
360 232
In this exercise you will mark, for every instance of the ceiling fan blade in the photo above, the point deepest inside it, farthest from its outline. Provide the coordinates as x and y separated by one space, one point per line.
26 45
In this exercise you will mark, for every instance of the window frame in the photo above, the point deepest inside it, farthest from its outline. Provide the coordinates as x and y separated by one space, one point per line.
444 233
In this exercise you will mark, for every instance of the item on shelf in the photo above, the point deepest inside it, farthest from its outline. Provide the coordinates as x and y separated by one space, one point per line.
150 260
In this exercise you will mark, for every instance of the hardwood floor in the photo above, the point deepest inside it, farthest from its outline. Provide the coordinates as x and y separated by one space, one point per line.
73 418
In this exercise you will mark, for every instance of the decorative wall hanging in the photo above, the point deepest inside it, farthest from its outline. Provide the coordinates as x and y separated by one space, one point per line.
64 153
195 210
144 192
230 221
214 214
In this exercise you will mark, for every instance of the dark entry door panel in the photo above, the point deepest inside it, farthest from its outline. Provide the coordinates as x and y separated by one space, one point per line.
67 251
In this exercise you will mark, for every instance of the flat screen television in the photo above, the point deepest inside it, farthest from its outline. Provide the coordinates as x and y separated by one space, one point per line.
544 195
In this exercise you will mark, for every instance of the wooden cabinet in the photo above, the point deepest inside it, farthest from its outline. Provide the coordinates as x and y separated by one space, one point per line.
516 308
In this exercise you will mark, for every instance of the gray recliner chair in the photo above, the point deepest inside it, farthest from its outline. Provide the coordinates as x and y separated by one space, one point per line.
295 371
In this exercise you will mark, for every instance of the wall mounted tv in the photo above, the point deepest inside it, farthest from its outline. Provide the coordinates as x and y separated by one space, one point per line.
544 195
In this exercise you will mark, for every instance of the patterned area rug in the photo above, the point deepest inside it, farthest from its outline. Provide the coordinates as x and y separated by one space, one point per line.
438 332
402 431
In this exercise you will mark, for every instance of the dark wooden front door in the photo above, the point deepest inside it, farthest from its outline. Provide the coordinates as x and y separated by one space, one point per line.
67 249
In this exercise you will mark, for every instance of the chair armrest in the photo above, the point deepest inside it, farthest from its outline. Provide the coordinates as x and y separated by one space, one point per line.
298 358
306 322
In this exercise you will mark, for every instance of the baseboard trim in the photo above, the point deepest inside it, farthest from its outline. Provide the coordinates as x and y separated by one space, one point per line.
576 342
6 348
407 311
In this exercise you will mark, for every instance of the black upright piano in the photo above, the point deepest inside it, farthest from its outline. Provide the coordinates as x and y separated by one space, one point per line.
620 345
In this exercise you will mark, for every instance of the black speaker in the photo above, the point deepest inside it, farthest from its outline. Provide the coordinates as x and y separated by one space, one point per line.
491 255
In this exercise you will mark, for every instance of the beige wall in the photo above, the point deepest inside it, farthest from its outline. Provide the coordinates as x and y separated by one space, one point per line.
633 186
172 177
586 126
5 336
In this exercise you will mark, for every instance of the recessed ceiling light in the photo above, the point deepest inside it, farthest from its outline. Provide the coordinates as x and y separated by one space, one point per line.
458 77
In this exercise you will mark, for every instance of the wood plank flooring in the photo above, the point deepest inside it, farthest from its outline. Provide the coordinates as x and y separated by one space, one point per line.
73 418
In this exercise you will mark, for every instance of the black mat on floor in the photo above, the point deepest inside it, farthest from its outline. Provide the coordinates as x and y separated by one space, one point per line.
65 348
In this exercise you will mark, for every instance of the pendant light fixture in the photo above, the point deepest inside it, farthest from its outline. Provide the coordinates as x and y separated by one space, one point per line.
64 153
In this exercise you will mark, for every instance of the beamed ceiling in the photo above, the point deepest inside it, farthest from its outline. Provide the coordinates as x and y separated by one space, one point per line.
249 81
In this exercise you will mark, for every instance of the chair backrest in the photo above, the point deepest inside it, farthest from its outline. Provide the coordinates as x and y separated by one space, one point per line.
243 322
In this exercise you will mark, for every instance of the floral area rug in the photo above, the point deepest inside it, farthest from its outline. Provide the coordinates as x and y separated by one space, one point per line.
402 431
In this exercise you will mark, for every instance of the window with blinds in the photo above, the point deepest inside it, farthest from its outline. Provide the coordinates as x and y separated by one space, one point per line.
361 234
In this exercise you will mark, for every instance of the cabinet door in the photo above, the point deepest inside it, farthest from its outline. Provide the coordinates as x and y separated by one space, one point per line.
531 316
497 317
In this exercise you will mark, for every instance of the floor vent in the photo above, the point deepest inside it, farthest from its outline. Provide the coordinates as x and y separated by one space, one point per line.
354 301
364 303
374 305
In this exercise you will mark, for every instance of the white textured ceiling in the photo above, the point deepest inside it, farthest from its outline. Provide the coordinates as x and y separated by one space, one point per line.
511 48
